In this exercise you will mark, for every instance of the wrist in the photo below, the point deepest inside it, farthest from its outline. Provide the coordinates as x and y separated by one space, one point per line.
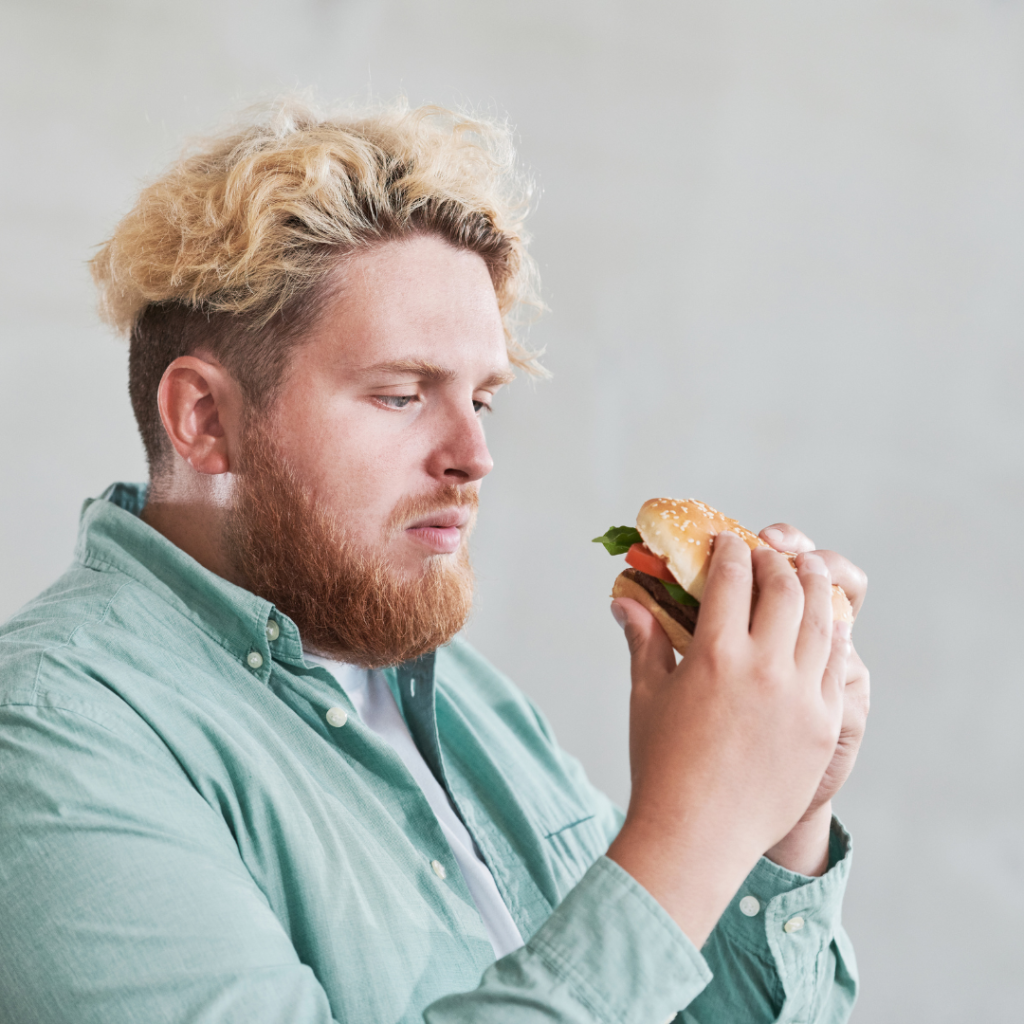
805 849
693 880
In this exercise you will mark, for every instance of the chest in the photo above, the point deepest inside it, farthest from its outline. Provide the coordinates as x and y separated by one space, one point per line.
341 841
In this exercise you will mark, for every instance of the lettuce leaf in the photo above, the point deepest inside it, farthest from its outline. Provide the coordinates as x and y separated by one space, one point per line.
677 593
619 539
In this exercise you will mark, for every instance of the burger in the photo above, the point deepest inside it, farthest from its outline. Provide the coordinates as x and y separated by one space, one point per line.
669 553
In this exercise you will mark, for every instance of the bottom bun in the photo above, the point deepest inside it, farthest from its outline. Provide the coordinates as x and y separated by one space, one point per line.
679 637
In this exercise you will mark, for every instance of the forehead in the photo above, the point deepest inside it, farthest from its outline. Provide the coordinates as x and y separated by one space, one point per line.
414 299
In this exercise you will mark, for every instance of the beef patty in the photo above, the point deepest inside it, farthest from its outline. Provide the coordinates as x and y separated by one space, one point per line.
684 614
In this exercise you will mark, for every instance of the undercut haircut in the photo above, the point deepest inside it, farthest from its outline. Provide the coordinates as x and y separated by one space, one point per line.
229 251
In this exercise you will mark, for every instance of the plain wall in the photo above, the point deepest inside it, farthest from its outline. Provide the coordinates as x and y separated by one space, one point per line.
783 247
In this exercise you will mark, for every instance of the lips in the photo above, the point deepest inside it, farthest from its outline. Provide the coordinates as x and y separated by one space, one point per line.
443 520
441 532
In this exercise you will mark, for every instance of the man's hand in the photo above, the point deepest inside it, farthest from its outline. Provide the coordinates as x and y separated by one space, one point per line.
728 748
805 848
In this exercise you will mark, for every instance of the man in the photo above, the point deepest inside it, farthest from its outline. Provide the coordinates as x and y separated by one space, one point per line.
248 771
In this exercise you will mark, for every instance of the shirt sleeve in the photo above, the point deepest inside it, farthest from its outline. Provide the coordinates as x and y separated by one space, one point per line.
779 952
111 911
608 953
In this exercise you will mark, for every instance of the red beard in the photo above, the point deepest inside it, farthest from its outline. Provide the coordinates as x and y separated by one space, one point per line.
348 604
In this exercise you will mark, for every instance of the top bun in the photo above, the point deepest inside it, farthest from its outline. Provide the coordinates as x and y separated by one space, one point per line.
683 533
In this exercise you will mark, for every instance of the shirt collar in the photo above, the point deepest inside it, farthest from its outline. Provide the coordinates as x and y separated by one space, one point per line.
111 536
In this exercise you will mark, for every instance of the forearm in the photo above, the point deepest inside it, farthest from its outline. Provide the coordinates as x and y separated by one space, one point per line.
692 876
805 849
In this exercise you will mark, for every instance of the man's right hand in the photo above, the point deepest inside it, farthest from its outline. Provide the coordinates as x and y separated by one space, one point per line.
727 748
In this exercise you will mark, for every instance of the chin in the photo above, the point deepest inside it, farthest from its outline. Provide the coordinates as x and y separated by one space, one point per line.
417 565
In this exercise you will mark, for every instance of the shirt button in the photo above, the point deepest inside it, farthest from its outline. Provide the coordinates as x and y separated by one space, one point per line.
337 717
794 924
438 869
273 630
749 906
255 660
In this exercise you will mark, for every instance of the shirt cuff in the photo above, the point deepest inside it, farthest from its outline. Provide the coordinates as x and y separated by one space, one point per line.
789 918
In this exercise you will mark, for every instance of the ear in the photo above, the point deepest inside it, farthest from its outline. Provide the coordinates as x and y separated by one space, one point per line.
200 406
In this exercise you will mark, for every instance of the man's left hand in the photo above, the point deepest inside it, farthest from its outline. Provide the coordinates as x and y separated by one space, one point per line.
805 848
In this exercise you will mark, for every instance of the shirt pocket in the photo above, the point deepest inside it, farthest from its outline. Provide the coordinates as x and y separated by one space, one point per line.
572 836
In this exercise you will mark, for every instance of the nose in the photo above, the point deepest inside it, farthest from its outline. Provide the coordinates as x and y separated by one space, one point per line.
461 454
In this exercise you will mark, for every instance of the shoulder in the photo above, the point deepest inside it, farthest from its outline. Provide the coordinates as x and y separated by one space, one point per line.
63 652
82 595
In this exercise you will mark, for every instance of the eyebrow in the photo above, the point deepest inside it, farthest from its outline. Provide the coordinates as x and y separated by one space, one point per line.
431 371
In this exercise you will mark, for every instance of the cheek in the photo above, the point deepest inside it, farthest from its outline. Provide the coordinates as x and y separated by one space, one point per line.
354 459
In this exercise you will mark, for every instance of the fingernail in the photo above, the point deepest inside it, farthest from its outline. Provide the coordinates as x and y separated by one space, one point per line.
814 564
843 629
619 615
773 536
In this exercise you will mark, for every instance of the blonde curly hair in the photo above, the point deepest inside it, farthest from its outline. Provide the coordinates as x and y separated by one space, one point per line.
230 248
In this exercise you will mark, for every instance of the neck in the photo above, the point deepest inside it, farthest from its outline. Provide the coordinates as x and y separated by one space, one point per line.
192 519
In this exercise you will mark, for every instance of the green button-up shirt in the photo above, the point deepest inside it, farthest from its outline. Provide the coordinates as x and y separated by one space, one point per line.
185 837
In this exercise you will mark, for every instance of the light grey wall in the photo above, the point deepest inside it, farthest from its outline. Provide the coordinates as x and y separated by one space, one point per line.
783 245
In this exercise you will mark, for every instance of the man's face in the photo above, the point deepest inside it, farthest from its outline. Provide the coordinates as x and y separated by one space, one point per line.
357 494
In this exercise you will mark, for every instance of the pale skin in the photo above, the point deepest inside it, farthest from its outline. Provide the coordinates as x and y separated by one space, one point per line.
382 401
736 751
758 727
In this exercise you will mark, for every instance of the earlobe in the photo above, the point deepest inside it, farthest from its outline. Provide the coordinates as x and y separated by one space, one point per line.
198 403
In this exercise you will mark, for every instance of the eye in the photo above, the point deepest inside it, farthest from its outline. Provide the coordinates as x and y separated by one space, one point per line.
395 401
479 406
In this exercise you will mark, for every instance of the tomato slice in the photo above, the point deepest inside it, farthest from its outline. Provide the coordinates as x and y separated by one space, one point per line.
641 557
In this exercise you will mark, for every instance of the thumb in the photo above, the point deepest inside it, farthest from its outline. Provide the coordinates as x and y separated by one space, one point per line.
649 648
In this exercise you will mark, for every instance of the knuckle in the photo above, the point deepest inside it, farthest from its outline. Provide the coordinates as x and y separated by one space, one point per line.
826 738
733 572
788 586
767 676
769 671
782 585
718 658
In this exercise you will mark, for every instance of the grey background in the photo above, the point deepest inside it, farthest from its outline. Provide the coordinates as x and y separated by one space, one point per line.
782 246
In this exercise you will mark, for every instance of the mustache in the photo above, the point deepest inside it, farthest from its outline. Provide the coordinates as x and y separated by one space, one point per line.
415 507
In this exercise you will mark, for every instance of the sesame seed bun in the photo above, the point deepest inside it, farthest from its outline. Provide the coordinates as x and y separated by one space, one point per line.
683 532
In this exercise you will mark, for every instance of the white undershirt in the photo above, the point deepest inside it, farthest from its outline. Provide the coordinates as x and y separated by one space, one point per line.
372 698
